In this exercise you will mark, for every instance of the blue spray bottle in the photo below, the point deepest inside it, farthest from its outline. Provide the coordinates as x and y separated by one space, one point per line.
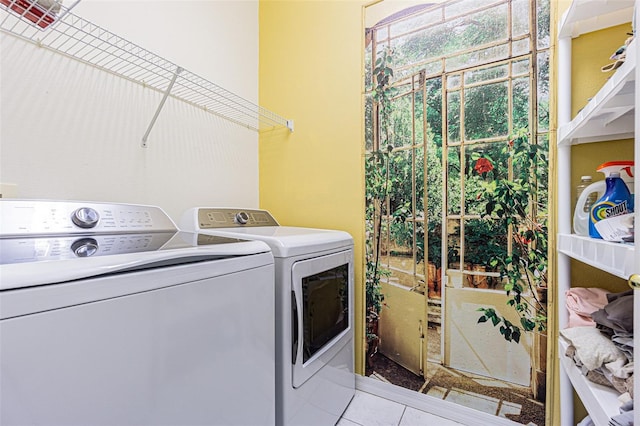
617 200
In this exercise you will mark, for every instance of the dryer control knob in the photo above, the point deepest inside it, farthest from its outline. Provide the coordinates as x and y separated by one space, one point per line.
242 218
85 217
85 247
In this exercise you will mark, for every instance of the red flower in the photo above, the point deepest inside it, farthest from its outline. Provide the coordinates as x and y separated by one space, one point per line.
510 143
483 166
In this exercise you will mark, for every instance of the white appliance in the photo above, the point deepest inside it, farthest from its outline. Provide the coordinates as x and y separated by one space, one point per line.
315 378
109 316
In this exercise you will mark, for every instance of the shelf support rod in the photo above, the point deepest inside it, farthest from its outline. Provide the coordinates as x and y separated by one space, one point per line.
164 99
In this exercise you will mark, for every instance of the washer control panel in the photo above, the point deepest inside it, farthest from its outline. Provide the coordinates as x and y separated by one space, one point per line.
211 218
34 218
29 249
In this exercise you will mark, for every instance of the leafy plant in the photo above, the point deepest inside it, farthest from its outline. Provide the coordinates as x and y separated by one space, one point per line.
514 199
377 187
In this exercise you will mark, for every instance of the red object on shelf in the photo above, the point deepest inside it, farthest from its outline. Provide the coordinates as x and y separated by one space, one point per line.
32 11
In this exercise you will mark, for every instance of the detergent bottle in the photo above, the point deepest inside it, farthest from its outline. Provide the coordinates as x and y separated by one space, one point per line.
617 200
581 214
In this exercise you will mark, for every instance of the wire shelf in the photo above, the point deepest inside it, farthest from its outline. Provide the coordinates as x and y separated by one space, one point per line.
51 25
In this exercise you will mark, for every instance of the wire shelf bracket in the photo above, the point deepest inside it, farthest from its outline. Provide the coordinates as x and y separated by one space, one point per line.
164 99
57 29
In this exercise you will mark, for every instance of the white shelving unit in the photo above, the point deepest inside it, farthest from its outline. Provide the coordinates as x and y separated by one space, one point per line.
74 37
609 115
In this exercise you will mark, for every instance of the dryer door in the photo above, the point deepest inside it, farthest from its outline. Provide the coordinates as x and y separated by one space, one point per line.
322 305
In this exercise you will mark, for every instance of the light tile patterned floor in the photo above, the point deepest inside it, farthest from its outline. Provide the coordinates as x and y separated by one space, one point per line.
371 410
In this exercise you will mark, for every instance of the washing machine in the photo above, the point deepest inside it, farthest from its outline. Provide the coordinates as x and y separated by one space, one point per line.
315 378
111 316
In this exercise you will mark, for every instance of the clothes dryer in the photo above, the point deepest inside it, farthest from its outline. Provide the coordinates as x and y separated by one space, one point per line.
110 316
315 378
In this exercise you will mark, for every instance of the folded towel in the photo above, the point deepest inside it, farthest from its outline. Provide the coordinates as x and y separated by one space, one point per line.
582 302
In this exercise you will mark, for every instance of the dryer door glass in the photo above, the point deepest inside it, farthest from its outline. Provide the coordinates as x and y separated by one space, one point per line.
321 312
325 309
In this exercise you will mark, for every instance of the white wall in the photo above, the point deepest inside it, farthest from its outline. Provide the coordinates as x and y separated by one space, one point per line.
70 131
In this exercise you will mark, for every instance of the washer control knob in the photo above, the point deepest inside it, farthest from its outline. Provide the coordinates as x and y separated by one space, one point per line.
242 218
84 247
85 217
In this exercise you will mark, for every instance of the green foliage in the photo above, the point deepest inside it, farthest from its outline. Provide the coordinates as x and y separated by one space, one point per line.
514 200
377 188
510 197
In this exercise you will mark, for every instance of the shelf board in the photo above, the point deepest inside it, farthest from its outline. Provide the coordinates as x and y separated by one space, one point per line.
609 115
584 16
81 40
614 258
600 401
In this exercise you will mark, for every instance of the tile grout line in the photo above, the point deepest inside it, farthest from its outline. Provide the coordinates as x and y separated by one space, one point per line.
404 410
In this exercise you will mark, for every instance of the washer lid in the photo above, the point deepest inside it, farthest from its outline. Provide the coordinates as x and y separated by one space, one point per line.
287 241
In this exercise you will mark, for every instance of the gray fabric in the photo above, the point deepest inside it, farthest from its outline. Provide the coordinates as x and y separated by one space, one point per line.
624 419
613 296
617 316
626 416
624 342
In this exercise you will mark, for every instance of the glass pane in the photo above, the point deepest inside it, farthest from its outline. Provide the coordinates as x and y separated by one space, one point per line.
453 244
485 241
402 88
521 47
401 185
520 17
384 242
453 81
476 29
418 108
479 57
543 23
543 90
459 8
520 67
419 238
521 103
401 234
542 174
413 48
420 167
453 180
325 308
483 162
433 67
486 111
382 33
434 235
401 133
434 110
484 74
416 21
368 122
435 178
453 117
368 68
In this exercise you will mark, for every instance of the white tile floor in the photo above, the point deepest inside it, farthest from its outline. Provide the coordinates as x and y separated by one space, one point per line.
371 410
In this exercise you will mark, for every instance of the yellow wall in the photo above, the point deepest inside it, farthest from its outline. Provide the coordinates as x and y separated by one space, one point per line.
310 70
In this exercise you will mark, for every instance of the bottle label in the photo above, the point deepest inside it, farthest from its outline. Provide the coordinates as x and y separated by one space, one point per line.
607 209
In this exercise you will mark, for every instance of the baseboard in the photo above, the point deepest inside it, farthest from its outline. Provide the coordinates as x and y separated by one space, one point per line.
448 410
